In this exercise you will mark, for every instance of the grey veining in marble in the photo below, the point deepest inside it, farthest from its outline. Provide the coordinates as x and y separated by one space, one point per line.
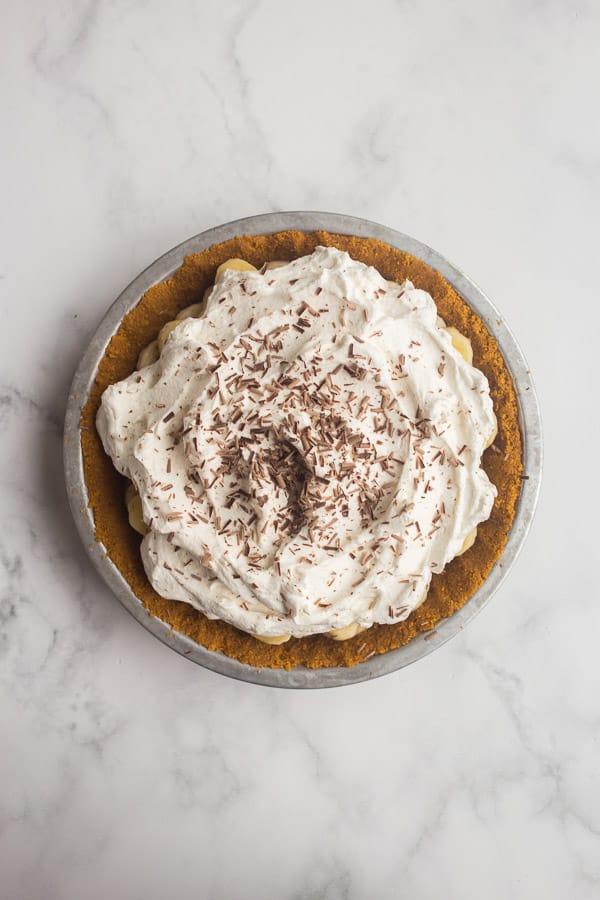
125 771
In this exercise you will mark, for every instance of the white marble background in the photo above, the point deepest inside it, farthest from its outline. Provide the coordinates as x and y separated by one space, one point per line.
127 772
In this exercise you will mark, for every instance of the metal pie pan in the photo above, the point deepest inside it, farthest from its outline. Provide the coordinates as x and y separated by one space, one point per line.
301 677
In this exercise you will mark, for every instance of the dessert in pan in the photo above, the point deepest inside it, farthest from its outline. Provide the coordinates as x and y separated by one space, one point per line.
302 449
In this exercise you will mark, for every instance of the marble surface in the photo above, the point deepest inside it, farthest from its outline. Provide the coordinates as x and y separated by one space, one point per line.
127 772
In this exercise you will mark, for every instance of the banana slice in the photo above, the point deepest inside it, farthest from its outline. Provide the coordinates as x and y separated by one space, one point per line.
493 435
191 312
240 265
134 510
148 355
273 638
344 634
277 264
461 343
165 331
468 542
464 347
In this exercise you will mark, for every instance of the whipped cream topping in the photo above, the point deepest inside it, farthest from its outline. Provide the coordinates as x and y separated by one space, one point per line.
308 451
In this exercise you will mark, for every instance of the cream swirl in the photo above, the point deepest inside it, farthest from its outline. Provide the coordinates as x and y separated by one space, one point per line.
308 452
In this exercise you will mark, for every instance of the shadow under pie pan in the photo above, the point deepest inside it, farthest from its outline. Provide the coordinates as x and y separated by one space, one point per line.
305 223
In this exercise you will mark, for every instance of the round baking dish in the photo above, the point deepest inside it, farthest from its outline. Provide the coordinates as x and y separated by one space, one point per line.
300 677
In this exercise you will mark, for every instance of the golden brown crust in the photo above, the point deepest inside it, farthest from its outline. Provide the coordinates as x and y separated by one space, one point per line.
503 462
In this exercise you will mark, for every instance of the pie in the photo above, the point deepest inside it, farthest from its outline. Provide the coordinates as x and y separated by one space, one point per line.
302 436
